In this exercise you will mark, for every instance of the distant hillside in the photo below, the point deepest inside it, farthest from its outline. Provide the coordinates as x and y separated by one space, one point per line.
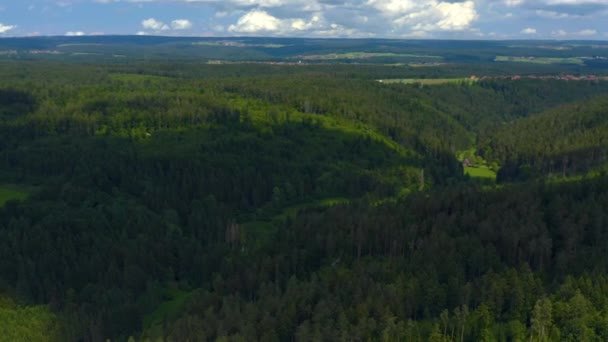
569 139
377 51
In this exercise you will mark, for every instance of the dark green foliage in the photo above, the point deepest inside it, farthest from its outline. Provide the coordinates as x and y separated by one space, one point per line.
257 202
566 140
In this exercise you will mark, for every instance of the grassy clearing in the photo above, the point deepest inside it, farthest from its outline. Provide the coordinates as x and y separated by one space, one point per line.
364 55
480 172
238 44
428 81
540 60
12 192
479 168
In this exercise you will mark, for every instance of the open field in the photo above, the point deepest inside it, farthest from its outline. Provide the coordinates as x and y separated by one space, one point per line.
428 81
12 192
540 60
238 44
480 172
364 55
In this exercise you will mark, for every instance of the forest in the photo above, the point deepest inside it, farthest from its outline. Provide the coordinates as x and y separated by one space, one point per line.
188 201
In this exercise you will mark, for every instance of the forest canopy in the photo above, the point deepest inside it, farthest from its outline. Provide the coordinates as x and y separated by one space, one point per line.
189 202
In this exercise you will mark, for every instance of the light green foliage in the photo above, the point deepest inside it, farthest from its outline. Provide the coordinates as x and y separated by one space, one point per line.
12 192
429 81
27 323
541 321
540 60
173 303
480 172
364 55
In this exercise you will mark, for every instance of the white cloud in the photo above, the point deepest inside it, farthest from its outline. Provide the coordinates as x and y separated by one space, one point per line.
158 26
587 32
581 33
553 14
574 2
427 15
256 21
456 15
559 33
153 24
513 3
528 30
384 18
141 33
6 28
74 33
181 24
394 7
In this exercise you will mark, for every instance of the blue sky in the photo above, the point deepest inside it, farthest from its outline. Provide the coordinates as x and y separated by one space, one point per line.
475 19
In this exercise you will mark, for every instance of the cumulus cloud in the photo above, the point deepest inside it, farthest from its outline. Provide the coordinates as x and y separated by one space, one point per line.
256 21
153 24
528 30
74 33
402 17
428 15
259 21
456 15
384 18
6 28
181 24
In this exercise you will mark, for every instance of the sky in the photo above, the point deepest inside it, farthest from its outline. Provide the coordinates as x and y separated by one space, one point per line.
445 19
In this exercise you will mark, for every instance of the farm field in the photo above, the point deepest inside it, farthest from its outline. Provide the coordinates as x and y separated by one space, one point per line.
364 55
540 60
428 81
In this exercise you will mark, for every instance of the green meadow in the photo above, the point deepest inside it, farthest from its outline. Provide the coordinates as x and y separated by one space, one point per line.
428 81
480 172
540 60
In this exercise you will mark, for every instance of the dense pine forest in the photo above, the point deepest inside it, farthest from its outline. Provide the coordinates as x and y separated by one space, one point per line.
153 201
